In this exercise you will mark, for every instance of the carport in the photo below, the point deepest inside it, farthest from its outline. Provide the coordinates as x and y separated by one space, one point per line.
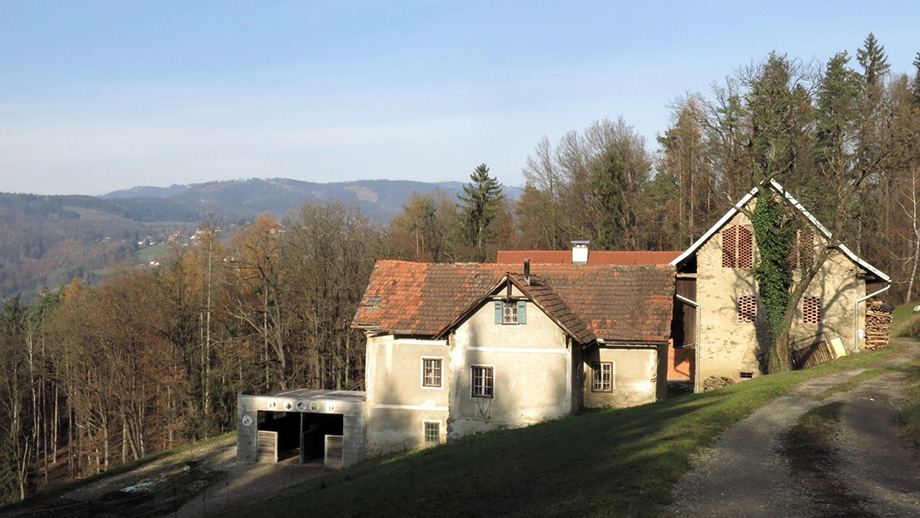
302 426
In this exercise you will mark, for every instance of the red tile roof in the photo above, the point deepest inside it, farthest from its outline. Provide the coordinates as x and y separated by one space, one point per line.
594 257
607 302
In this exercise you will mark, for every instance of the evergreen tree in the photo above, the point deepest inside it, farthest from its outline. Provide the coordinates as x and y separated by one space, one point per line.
608 182
873 60
838 111
915 82
479 205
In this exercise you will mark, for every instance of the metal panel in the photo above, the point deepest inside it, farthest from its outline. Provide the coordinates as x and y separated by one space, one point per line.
334 451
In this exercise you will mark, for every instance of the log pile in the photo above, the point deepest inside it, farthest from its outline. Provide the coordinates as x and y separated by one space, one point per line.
878 324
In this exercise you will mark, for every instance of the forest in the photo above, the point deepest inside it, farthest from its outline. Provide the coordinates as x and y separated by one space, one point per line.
95 374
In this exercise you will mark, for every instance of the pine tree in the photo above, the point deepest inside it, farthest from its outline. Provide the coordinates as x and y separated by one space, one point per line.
479 205
915 82
873 60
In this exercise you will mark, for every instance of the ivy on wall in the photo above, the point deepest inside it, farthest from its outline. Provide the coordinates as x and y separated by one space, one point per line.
775 239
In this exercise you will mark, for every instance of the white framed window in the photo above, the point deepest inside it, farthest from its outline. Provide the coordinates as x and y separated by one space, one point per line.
431 372
602 377
482 379
432 430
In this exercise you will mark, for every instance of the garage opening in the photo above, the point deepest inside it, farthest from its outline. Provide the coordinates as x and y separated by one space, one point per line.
300 437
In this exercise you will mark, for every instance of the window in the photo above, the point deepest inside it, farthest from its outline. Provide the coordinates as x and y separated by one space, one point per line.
811 310
603 377
431 372
510 312
747 308
482 381
803 250
432 432
737 247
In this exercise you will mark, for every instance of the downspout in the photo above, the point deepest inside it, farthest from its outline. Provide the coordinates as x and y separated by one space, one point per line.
696 365
856 316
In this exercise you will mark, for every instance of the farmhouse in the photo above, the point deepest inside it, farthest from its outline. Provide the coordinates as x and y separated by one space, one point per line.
718 314
459 349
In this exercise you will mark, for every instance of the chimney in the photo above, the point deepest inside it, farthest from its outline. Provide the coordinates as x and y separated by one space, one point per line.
580 252
527 271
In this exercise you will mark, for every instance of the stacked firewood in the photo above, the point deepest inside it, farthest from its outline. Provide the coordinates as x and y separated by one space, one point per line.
878 324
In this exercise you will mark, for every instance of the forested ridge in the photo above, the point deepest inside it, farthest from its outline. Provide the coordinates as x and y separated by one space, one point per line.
95 374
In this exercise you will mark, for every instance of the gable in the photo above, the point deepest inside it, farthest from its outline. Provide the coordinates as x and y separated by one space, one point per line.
789 199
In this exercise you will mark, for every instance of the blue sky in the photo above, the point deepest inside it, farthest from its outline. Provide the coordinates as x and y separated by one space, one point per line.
98 96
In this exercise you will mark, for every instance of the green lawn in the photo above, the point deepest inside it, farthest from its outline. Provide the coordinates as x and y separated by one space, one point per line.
605 463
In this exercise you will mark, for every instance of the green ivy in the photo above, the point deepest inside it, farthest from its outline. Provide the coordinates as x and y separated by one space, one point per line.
773 271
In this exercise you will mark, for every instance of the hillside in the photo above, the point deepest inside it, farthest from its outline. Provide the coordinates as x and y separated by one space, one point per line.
379 199
615 462
46 241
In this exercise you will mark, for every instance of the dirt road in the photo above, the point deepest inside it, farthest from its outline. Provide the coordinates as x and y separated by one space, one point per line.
866 470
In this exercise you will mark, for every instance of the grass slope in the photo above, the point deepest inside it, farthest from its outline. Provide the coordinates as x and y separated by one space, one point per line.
606 463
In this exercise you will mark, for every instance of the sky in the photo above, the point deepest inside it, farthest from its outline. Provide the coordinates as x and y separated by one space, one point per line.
97 96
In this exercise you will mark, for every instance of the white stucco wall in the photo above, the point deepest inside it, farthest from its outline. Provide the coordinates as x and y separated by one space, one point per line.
635 376
397 403
532 366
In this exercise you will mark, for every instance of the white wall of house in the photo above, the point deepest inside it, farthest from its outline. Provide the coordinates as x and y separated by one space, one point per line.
398 403
634 376
533 372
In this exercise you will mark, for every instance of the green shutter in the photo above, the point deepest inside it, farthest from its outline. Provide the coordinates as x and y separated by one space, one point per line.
522 312
498 312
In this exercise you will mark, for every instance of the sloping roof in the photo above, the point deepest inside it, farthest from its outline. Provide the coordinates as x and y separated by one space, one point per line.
606 302
798 206
594 257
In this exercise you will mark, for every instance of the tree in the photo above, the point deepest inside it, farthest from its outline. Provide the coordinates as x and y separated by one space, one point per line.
17 468
539 210
479 205
873 60
608 182
423 230
915 82
683 165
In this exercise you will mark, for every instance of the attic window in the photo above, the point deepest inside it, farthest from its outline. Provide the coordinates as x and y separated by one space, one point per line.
737 247
510 312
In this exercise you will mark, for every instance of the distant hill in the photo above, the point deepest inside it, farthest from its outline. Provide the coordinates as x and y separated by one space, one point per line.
241 199
45 241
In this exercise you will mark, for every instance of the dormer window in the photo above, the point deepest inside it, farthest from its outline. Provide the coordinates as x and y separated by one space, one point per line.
510 312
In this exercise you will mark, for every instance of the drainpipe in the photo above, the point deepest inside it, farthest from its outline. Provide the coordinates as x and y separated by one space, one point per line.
696 366
856 316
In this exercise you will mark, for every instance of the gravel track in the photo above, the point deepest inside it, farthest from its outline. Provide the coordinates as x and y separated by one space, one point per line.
747 474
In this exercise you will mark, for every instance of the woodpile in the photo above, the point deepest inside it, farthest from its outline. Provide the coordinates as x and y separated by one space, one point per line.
878 324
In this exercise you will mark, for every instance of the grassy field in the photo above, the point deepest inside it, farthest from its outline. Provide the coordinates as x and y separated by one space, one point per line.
904 321
604 463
